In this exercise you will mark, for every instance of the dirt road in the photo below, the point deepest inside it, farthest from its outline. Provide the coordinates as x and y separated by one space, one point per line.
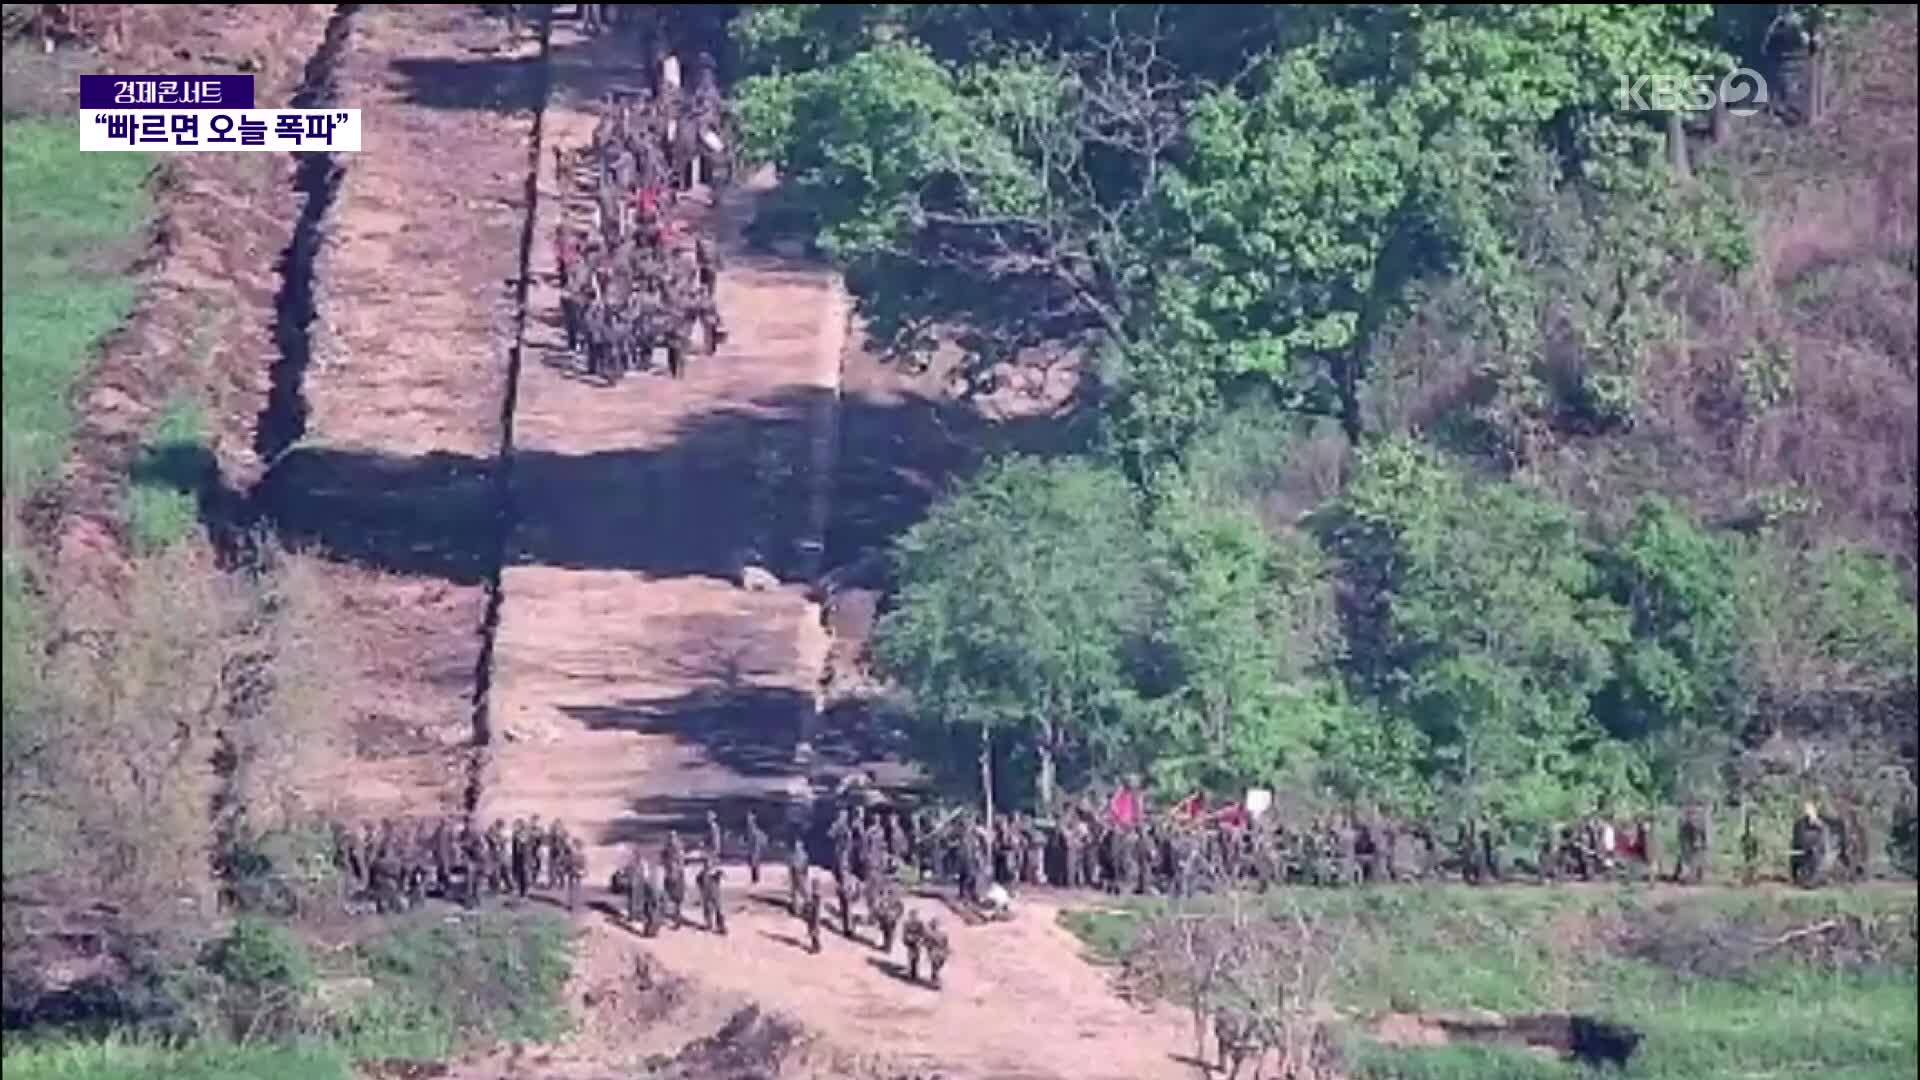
636 685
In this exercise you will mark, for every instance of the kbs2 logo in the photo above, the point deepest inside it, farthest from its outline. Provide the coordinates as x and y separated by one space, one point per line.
1743 91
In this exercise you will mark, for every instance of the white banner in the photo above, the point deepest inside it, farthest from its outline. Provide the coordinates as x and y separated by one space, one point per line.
184 131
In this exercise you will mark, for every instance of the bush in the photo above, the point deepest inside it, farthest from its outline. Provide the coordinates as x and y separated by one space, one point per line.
266 975
441 985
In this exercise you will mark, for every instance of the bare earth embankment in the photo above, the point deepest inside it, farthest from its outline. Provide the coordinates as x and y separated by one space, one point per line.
392 471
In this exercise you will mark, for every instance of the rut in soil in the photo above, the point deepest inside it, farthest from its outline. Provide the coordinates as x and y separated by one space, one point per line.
503 518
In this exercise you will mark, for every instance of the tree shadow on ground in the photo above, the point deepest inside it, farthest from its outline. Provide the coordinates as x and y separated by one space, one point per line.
678 510
725 481
650 817
582 72
748 731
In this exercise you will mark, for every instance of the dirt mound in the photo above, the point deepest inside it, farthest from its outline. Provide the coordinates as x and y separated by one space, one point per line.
752 1045
650 996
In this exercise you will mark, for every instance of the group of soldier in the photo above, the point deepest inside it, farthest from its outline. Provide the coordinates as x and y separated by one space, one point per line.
635 277
1178 854
655 892
397 864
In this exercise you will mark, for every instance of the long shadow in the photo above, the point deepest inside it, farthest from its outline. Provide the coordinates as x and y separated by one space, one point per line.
481 81
749 731
896 971
432 515
786 939
652 816
682 509
584 71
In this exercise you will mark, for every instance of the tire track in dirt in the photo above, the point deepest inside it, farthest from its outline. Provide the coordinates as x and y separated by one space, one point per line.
404 385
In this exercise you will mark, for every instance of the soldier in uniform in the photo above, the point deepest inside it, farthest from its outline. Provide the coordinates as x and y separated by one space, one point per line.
1467 846
575 856
1852 840
1122 845
1145 857
419 863
839 832
876 849
1692 866
521 858
842 862
1749 848
387 872
1070 854
446 856
1809 848
938 950
1840 842
1096 843
897 842
888 908
797 866
843 892
1016 848
478 874
1549 859
711 914
1647 839
497 857
913 935
633 879
674 873
542 856
756 847
344 854
1346 852
713 837
810 911
1490 844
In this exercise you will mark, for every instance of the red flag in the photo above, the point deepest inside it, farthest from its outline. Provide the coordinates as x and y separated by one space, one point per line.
1124 807
1192 806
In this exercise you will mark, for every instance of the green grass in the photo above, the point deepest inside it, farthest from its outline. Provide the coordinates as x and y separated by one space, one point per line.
68 219
441 986
121 1059
162 506
1778 1014
437 988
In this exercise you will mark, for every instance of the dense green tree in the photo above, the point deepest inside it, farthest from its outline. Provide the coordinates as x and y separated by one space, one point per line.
1020 598
1234 689
1094 178
1476 613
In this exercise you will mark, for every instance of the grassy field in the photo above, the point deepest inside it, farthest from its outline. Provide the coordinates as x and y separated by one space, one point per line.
1710 977
419 989
70 221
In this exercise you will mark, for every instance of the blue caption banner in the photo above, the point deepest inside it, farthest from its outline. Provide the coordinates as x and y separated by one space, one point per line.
166 91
